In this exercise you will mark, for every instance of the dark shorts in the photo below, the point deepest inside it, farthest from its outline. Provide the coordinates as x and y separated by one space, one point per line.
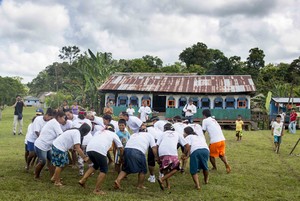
277 139
26 149
99 161
59 158
169 163
151 157
43 156
30 146
198 160
239 133
134 161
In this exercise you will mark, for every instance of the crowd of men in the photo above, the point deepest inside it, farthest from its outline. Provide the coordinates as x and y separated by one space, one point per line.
60 138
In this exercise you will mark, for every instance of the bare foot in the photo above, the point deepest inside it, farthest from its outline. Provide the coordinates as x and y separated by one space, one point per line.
117 185
58 184
82 184
161 185
99 192
198 187
228 168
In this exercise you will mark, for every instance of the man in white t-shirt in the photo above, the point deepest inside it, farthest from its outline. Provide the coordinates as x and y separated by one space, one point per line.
97 150
168 155
157 123
130 110
37 125
44 142
60 148
190 110
217 139
144 111
133 122
277 132
134 157
70 115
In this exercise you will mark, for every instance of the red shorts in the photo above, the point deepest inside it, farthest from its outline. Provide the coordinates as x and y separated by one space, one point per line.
217 149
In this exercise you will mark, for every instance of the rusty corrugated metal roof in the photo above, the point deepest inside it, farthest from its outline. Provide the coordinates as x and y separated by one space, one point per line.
179 83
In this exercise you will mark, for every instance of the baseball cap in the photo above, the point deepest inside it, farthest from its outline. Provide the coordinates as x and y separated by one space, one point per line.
39 111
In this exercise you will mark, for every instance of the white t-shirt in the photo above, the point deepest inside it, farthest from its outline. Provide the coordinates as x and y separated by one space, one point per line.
179 127
48 134
102 141
67 125
96 129
29 130
38 124
160 124
77 123
214 130
197 128
144 111
134 123
282 117
155 132
167 143
141 141
98 120
190 110
196 142
130 111
67 140
75 116
115 124
277 128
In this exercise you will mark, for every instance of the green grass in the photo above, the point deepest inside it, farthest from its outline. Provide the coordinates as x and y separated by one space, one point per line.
257 173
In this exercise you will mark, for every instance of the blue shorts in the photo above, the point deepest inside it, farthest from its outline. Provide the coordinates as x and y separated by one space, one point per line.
277 139
198 160
30 146
42 155
59 158
134 161
99 161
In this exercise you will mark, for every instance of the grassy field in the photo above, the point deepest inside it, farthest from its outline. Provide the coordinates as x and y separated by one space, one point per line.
257 173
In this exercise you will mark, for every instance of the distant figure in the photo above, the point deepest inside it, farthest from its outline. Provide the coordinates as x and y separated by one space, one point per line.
277 132
65 106
144 111
130 110
93 111
239 128
293 121
190 109
18 116
108 109
75 108
282 116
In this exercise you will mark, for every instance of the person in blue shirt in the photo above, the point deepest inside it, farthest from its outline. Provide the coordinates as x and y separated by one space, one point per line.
124 136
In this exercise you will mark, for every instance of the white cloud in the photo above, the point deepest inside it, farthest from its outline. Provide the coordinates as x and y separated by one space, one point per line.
32 32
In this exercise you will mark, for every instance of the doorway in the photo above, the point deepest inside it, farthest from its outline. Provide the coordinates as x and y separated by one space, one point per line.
159 103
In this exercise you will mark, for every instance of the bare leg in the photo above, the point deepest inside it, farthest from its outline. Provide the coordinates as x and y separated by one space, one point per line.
29 158
51 168
196 181
205 174
168 175
38 169
119 179
213 162
184 161
26 156
224 159
168 184
56 176
99 182
141 178
86 175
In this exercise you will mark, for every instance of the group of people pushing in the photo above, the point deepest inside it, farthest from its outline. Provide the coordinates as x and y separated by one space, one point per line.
55 134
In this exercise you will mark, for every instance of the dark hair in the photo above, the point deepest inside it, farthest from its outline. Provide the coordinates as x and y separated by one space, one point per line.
33 118
49 112
122 121
84 129
143 130
69 110
59 113
17 96
107 117
177 118
110 127
168 127
206 113
125 114
189 131
278 116
154 118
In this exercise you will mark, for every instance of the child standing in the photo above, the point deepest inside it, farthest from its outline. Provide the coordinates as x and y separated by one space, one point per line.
124 137
277 131
239 128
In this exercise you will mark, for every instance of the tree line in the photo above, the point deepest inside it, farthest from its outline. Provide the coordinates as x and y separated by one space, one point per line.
80 73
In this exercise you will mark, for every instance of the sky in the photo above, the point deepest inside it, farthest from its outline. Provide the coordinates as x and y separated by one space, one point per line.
33 32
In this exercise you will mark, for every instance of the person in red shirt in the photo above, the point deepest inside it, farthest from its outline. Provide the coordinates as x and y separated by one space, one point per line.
293 120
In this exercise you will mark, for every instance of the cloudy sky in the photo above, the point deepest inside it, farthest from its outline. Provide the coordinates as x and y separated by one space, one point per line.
33 32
